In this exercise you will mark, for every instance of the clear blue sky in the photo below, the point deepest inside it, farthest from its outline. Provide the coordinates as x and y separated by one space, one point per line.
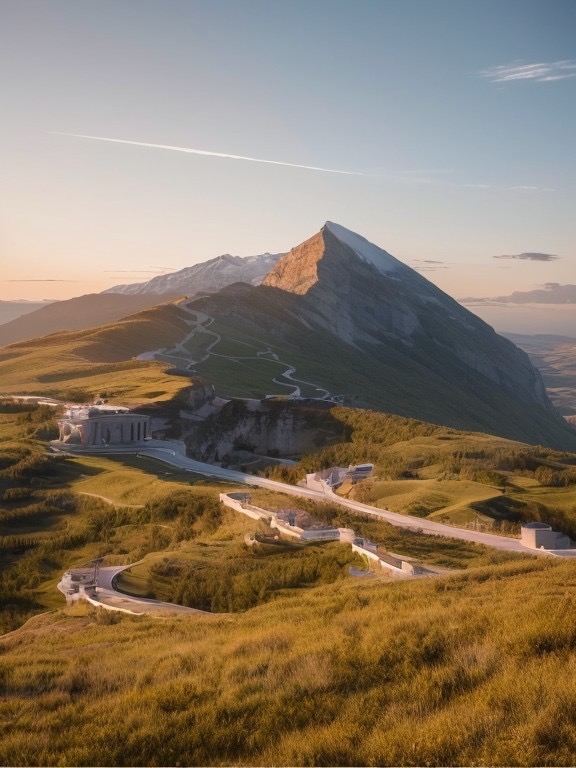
467 147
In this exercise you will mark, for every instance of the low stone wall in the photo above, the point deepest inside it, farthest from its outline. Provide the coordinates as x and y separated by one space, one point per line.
241 506
394 565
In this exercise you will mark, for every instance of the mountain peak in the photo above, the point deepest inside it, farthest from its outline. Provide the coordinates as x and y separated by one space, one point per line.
364 249
209 276
334 255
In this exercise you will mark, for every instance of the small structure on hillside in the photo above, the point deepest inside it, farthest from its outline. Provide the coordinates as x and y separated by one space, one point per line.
102 425
335 476
538 535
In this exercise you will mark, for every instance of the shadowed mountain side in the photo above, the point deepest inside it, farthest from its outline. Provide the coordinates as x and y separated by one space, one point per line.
429 384
87 311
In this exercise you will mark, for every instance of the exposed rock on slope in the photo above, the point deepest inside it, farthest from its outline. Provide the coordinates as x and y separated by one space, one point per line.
208 276
353 318
369 298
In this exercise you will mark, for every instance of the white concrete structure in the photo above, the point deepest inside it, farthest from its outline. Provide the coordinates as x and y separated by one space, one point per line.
335 476
102 425
284 522
541 536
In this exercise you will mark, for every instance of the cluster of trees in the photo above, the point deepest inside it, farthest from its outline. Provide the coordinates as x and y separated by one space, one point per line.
190 514
555 478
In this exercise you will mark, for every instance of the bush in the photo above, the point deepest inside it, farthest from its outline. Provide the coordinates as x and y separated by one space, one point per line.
17 494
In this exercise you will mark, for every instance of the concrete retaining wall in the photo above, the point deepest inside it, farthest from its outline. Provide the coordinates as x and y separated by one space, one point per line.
362 546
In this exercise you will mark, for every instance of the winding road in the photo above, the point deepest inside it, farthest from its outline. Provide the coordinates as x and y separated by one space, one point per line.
199 323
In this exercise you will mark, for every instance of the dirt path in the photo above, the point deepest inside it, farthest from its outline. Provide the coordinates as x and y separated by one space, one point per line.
110 501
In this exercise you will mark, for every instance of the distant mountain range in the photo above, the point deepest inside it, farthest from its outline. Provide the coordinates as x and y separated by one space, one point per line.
10 310
551 293
339 316
115 303
208 276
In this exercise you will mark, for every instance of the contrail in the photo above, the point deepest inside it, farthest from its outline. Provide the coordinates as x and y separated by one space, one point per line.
190 151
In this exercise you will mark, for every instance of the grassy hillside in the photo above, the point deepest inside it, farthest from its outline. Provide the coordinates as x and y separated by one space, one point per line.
81 364
472 669
301 663
73 314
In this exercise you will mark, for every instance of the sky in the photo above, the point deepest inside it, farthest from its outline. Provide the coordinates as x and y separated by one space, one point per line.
441 130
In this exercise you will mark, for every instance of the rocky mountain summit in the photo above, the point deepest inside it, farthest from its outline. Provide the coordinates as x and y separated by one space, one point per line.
368 298
352 318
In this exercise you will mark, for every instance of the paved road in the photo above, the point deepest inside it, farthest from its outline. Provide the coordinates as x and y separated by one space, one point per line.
175 459
107 594
403 521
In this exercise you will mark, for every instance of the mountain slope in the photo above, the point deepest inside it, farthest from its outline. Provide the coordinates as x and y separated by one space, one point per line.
208 276
350 318
79 365
368 298
10 310
87 311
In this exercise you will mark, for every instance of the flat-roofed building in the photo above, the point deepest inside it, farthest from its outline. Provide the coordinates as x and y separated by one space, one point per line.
101 425
538 535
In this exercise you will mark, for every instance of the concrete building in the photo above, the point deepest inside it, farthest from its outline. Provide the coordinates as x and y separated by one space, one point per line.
541 536
335 476
102 425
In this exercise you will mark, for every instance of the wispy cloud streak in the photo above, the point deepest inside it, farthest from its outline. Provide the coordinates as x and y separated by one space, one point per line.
39 280
529 256
541 72
206 153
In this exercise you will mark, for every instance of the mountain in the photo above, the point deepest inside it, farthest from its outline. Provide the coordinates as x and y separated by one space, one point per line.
339 314
115 303
10 310
337 318
208 276
551 293
74 314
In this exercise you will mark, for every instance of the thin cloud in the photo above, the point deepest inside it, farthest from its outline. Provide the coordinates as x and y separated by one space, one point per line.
540 72
136 271
550 293
48 280
529 256
428 265
190 151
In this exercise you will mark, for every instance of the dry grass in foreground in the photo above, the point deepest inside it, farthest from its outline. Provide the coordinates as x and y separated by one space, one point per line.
472 669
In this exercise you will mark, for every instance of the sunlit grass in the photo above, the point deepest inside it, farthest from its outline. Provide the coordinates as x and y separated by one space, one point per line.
440 672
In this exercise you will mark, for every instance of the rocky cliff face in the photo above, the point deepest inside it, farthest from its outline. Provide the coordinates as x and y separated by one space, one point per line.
371 300
265 428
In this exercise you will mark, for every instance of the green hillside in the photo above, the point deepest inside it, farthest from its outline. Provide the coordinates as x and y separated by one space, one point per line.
300 663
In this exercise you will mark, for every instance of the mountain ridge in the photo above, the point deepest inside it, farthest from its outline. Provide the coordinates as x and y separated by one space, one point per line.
338 316
211 275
